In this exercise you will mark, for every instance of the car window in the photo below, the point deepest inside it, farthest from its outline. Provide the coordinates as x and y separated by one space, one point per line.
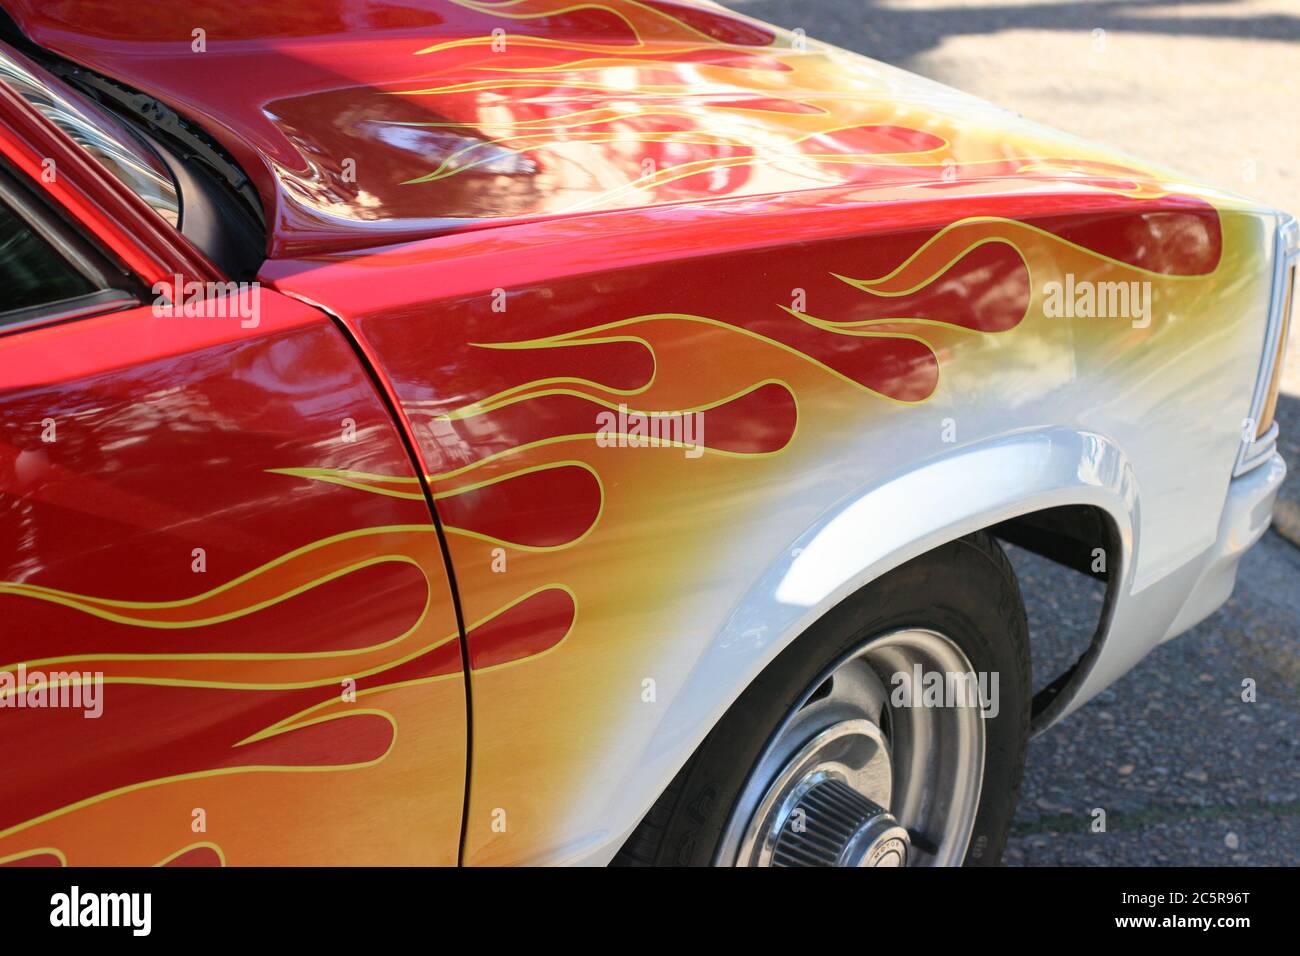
32 272
97 132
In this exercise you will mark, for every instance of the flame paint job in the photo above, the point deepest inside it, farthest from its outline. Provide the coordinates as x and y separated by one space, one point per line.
933 314
223 689
829 261
373 121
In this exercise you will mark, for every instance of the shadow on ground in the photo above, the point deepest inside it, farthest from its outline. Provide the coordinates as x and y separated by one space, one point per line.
894 33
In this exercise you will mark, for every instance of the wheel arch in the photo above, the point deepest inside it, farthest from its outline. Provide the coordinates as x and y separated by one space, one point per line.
869 533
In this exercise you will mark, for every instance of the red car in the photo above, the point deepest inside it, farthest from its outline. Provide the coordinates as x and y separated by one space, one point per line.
512 431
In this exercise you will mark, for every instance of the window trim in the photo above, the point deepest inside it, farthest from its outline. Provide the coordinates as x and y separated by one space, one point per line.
120 222
113 291
101 302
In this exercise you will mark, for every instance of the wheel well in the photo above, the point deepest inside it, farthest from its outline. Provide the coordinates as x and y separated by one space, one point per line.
1082 539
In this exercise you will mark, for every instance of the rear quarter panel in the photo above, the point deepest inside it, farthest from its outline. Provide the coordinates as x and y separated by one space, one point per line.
836 345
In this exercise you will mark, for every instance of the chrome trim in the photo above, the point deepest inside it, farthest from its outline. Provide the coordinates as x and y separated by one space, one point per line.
107 141
921 768
1286 254
85 306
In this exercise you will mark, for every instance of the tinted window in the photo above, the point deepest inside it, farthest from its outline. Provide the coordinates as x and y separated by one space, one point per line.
32 272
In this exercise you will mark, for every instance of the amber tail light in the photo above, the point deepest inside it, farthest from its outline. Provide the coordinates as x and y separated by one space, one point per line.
1259 436
1275 379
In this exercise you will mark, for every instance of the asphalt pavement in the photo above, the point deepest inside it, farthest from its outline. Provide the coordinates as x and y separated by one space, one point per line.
1185 770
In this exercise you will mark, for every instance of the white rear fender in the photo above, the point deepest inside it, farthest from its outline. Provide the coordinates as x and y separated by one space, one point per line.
864 536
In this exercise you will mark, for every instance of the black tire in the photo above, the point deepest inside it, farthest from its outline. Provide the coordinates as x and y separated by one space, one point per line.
967 591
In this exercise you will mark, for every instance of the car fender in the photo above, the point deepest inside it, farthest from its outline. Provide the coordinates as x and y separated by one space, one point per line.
864 536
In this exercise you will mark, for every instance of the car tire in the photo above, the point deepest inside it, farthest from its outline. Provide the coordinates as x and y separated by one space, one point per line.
966 592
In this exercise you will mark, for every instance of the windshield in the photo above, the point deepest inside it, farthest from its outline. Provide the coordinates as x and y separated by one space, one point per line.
114 146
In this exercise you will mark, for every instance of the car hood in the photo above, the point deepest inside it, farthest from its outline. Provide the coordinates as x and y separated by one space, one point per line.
372 122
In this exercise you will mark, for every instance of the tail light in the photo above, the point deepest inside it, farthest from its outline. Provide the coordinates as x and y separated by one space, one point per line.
1260 437
1288 304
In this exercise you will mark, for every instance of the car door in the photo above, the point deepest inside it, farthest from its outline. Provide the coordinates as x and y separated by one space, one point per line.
220 641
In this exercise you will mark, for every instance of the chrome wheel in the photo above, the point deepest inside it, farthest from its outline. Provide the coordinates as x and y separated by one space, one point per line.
850 780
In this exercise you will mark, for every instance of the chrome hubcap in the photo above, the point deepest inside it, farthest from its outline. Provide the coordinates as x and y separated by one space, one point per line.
850 780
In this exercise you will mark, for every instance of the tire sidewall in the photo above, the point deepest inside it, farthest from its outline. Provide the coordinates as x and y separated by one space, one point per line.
962 591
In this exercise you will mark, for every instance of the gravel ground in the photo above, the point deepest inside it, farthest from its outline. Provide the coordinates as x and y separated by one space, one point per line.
1186 772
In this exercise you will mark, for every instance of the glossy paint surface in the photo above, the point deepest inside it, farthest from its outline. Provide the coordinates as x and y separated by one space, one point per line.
832 346
829 282
369 122
126 443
